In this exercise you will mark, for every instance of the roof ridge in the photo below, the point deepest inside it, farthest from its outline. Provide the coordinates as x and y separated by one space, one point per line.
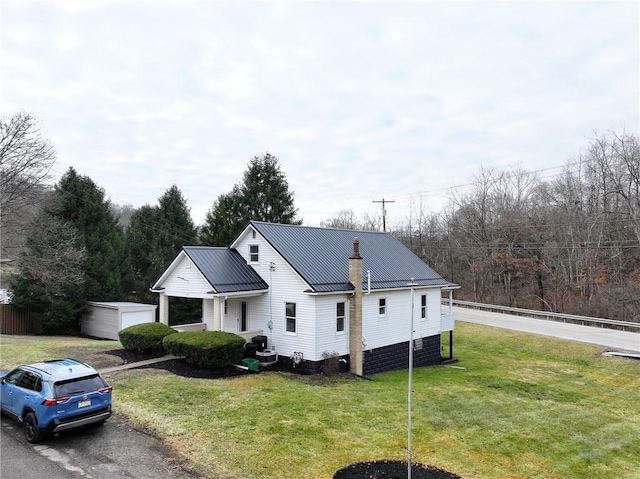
324 228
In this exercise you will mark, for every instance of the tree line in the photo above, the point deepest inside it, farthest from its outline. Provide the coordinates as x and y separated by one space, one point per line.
64 246
570 243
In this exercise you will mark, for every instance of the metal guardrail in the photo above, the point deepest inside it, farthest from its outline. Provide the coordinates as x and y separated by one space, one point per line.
550 316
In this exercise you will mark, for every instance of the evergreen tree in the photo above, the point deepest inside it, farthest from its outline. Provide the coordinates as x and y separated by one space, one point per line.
176 229
263 196
175 226
82 205
155 236
224 220
141 234
265 192
50 282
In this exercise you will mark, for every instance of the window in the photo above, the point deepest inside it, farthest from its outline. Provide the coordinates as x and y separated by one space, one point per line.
340 317
382 307
290 317
253 253
75 386
13 377
423 307
31 381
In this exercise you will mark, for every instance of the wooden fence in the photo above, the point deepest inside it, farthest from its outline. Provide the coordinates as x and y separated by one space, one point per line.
13 321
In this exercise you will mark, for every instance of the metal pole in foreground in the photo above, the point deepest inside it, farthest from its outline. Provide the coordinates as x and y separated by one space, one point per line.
412 284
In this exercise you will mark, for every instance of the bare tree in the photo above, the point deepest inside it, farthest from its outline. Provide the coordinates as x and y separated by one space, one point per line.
26 159
53 254
345 219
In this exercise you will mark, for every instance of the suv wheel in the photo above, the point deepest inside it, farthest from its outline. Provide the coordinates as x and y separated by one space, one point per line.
31 430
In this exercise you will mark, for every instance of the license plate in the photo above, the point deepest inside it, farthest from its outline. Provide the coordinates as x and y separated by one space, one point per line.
85 403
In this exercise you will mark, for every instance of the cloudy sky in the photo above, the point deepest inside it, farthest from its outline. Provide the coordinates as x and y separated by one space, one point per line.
358 100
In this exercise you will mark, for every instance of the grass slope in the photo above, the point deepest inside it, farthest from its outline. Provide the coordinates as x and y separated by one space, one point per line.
524 406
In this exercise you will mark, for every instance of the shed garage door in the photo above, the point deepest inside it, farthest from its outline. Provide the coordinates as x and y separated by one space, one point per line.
136 317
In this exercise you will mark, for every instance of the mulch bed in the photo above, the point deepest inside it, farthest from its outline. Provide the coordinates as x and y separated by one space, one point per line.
391 470
178 367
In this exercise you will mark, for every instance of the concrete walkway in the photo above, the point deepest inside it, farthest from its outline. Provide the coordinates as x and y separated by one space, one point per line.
610 338
138 364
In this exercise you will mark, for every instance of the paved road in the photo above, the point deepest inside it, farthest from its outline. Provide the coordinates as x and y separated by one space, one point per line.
616 340
112 451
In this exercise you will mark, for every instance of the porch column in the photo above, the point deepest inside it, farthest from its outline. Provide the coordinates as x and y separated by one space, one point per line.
164 308
450 301
217 314
208 313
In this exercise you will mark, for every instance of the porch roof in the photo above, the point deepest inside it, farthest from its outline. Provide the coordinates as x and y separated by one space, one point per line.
225 269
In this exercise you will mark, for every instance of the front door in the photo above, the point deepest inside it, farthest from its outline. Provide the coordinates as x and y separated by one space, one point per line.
243 316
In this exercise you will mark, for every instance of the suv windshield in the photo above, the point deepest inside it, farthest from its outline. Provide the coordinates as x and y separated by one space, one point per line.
78 386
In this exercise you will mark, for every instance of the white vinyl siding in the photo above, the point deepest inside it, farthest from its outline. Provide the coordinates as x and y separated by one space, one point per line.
285 286
327 339
106 319
395 328
186 282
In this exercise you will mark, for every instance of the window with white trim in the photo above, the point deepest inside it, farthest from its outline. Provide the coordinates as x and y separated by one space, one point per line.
290 317
340 317
253 253
382 307
423 307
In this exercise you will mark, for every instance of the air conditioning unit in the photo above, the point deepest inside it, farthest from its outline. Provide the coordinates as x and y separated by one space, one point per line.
266 357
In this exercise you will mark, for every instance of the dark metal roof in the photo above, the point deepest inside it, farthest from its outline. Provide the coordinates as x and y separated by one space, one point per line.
225 269
320 256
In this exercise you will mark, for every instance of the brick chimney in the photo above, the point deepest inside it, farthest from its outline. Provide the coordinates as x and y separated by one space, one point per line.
356 358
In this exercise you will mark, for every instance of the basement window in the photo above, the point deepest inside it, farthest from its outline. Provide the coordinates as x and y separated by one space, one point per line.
340 318
253 253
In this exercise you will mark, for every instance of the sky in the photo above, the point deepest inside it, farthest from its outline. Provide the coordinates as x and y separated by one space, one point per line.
359 101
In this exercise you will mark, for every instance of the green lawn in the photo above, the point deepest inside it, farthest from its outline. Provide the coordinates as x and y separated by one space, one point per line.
524 406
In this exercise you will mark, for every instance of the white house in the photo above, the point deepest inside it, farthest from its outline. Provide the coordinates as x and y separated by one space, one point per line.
317 290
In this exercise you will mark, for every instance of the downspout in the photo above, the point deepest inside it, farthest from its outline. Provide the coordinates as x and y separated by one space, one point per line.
222 312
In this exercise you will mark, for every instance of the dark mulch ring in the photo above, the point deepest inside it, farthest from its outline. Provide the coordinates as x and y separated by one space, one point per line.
391 470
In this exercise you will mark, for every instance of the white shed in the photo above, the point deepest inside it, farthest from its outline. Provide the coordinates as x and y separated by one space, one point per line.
106 319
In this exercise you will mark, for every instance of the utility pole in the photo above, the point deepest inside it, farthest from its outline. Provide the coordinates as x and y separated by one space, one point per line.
384 212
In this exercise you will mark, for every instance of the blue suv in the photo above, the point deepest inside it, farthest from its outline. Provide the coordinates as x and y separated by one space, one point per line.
54 396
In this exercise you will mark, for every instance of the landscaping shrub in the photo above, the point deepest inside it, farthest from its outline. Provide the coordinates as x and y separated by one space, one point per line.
206 349
145 338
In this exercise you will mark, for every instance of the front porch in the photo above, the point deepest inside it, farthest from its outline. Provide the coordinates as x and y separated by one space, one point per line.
219 313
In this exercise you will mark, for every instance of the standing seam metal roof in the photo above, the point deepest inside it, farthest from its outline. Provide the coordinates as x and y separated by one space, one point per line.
225 269
320 256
